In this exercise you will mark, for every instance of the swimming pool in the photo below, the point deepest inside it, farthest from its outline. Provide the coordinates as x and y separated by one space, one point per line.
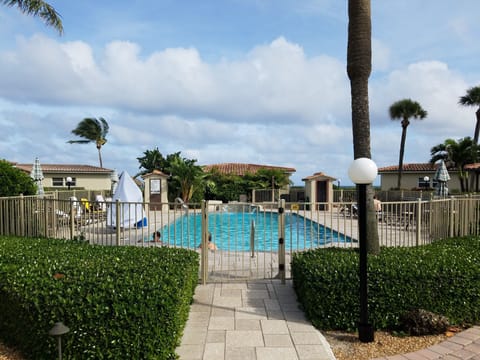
232 231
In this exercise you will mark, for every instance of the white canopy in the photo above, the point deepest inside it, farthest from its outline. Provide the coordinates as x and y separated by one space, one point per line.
132 213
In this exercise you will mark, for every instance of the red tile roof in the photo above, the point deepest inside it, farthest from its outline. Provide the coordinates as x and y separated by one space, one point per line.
474 166
242 169
422 167
64 168
318 176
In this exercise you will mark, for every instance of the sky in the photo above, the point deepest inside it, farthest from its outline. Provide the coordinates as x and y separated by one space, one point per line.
246 81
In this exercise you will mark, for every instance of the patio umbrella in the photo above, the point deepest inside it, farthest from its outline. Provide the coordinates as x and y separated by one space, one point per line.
442 177
37 175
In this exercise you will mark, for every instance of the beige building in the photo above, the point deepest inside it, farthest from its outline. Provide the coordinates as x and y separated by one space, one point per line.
414 177
82 176
156 190
319 188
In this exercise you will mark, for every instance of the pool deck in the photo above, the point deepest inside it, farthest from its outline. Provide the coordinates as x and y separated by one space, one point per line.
261 320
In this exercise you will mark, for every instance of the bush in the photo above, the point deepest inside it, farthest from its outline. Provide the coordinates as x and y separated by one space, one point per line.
14 182
119 302
442 278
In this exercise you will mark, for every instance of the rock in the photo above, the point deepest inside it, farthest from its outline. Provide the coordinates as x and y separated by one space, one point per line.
423 322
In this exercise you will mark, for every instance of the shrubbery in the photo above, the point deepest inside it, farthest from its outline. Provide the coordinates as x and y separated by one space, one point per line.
119 302
14 182
443 278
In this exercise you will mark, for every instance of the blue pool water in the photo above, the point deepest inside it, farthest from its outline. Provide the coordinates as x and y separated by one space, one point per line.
231 231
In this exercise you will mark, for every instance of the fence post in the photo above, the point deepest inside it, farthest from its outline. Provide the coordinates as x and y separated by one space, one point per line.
419 220
72 218
204 248
117 222
281 240
21 218
452 216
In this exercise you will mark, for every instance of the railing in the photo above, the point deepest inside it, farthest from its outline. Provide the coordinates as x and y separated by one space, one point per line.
247 236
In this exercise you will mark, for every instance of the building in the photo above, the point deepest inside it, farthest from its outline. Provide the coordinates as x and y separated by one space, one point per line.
81 176
416 177
319 189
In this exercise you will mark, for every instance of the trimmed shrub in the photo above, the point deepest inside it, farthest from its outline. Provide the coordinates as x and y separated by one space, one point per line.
443 278
119 302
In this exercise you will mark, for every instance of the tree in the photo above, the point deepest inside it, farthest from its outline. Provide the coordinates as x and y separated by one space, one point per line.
38 8
472 98
359 66
457 154
404 110
93 130
152 160
14 182
187 176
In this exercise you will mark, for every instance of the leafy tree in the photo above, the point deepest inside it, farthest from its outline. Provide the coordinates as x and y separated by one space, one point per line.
152 160
404 110
92 130
14 182
457 154
359 67
472 98
38 8
187 177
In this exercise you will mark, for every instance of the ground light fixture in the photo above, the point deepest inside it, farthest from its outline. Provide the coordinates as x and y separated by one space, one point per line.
57 331
362 172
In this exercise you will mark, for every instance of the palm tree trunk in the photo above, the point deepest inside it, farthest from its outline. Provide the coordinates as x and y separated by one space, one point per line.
359 66
400 158
477 127
100 157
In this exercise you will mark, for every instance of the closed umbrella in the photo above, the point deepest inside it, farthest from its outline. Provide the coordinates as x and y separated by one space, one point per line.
37 175
442 177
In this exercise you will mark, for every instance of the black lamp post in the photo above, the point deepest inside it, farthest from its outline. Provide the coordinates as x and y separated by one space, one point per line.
362 172
426 182
69 182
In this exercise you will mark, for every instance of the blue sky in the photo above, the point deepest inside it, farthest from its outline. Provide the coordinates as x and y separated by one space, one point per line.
249 81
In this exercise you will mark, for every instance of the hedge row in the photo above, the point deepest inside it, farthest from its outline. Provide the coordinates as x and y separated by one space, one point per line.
443 278
119 302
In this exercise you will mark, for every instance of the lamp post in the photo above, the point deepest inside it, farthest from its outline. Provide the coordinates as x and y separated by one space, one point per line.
69 181
362 172
57 331
426 182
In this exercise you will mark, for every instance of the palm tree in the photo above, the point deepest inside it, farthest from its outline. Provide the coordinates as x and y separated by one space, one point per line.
38 8
359 67
93 130
473 99
404 110
457 154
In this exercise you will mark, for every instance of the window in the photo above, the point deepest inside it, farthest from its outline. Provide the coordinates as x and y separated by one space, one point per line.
57 181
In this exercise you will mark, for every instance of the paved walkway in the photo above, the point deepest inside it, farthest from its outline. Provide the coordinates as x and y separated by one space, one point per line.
254 320
462 346
261 320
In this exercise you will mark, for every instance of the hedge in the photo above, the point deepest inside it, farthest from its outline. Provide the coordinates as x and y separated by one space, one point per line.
119 302
443 278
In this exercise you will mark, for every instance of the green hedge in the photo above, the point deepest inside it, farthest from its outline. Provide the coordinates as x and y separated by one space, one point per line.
443 277
119 302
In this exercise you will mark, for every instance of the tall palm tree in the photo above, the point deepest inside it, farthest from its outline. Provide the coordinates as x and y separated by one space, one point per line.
404 110
92 130
359 67
38 8
472 98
